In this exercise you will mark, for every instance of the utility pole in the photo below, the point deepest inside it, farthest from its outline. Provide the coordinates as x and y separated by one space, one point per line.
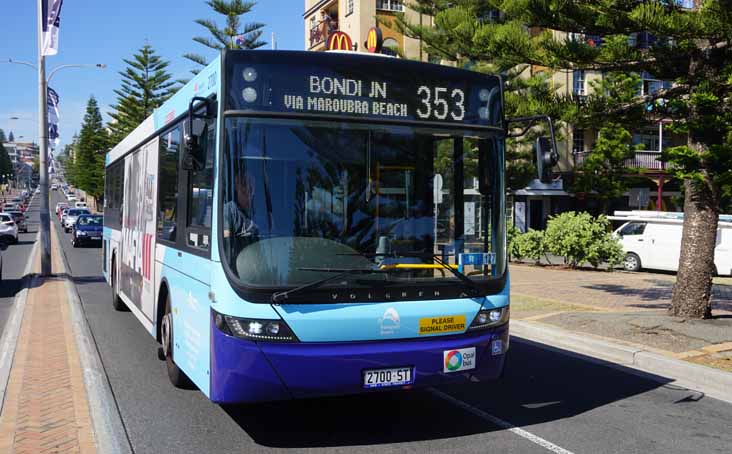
43 150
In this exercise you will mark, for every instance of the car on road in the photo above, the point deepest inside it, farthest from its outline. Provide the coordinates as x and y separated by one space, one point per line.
62 215
8 228
87 229
54 187
60 206
71 217
11 206
80 205
1 265
20 220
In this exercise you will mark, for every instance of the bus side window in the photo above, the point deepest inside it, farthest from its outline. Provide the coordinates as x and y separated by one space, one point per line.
168 152
200 189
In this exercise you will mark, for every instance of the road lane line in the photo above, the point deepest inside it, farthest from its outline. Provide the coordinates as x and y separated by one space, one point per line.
501 423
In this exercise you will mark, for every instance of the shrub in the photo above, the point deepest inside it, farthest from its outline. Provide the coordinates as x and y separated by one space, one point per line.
581 238
511 245
531 244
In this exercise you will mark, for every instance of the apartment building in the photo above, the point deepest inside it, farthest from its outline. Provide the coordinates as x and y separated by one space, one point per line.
355 18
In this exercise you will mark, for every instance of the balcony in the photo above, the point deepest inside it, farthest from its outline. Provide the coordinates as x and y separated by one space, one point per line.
320 31
643 159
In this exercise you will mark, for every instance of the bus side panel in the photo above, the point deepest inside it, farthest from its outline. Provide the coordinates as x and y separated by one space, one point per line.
138 229
189 299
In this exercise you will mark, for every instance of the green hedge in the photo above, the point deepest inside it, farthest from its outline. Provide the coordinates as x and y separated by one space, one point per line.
578 237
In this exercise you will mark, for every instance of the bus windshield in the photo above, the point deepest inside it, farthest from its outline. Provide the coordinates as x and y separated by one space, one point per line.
304 198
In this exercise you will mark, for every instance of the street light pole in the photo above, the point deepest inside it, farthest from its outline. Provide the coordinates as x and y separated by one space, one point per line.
43 150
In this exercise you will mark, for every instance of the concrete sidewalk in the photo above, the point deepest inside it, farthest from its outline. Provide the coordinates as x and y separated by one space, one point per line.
617 315
46 405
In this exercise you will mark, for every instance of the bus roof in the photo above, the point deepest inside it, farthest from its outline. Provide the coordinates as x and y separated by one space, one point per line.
204 84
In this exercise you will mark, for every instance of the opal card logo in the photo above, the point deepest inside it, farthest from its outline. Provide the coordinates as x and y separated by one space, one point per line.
389 323
458 360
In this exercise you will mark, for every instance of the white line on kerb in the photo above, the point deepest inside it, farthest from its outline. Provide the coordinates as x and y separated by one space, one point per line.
501 423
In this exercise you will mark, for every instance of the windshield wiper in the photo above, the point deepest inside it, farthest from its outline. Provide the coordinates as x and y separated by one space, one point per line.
475 289
340 272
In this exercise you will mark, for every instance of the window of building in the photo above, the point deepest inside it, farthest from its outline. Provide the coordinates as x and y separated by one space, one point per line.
578 82
578 141
168 152
650 85
390 5
349 7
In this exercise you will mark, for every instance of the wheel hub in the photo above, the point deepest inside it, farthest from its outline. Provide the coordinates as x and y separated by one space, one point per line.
165 331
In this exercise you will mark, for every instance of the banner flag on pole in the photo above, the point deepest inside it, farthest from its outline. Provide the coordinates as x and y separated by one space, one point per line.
52 101
51 20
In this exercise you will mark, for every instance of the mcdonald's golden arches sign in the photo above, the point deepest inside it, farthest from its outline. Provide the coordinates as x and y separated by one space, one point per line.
374 40
339 41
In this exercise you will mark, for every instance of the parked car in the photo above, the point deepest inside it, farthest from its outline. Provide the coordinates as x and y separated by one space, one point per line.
20 220
80 205
652 240
11 206
87 229
8 228
72 216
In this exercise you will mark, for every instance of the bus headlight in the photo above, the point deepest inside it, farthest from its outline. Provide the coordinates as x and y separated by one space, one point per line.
489 318
255 329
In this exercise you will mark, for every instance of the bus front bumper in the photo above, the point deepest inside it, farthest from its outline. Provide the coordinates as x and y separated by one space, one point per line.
246 371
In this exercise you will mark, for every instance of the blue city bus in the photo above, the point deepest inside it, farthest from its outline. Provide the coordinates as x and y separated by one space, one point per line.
301 224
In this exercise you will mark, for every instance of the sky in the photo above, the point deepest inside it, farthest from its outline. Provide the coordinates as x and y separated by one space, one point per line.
106 31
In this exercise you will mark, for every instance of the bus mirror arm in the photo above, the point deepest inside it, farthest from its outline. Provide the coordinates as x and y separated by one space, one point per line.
192 143
545 148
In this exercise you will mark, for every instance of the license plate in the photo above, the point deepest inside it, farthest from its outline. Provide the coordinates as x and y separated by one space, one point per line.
96 238
381 378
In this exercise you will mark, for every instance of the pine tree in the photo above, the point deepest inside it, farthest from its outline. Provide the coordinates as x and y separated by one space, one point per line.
603 171
91 148
692 48
146 84
234 35
450 39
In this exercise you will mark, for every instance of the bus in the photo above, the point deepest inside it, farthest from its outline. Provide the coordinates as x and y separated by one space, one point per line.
302 224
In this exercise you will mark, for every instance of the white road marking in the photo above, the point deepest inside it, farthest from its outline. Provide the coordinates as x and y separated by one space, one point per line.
501 423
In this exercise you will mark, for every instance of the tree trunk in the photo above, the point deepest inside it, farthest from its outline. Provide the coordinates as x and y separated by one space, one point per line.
693 289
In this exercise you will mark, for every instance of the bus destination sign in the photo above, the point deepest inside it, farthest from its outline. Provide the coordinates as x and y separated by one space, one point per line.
362 86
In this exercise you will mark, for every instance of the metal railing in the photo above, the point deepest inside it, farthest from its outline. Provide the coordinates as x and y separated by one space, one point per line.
320 31
643 159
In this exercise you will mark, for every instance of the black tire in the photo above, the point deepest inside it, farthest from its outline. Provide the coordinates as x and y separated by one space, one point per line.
117 302
176 376
631 262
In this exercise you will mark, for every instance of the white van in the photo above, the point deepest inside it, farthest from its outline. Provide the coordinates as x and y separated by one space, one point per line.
652 240
79 204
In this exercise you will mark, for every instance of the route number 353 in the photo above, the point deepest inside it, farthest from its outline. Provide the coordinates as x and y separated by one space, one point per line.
438 103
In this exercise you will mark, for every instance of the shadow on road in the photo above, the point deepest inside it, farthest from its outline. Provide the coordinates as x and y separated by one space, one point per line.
539 386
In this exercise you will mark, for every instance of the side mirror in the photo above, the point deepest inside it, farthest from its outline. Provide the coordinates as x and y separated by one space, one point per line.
545 148
192 150
546 158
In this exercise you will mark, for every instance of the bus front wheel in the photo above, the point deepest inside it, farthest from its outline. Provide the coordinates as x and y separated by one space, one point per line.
177 377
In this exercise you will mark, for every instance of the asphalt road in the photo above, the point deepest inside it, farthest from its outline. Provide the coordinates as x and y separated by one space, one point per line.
15 258
547 402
